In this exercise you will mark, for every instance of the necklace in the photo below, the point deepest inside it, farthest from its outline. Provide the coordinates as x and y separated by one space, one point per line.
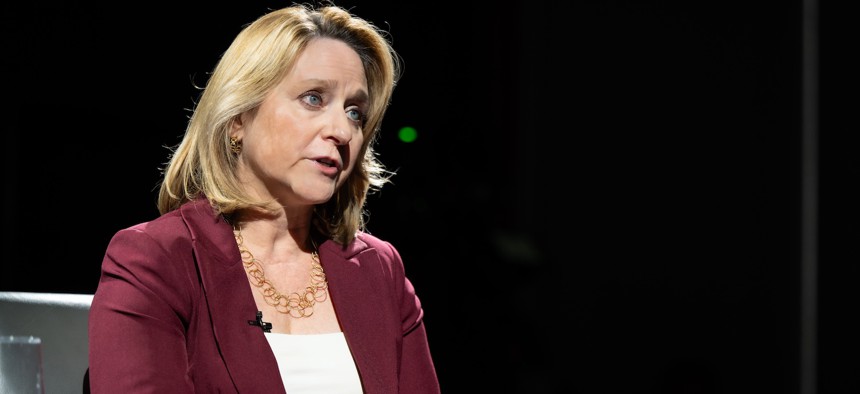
295 304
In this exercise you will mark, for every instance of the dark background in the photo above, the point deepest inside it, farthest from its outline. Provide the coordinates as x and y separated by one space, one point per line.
604 196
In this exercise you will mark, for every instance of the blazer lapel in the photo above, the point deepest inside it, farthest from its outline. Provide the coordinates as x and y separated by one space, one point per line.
359 306
244 348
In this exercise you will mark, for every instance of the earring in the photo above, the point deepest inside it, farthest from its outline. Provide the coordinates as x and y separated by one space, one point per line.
235 145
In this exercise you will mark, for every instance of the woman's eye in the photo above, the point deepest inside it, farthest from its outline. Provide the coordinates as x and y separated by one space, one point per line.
355 115
313 99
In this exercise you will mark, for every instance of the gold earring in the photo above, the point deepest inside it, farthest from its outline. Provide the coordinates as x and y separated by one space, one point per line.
235 145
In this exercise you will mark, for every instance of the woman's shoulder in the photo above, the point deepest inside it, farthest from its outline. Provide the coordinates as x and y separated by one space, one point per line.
172 225
370 240
167 225
362 243
365 240
153 238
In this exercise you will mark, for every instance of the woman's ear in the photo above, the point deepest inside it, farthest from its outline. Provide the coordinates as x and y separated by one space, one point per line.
237 127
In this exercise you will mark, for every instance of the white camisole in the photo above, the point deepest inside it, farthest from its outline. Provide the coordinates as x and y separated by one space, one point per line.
315 364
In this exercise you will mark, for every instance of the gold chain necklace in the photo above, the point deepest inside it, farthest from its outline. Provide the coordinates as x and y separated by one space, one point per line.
294 304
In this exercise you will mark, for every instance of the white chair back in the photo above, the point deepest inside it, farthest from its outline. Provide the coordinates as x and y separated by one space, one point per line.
60 321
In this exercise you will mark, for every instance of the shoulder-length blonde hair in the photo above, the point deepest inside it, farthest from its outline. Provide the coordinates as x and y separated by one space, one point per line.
259 57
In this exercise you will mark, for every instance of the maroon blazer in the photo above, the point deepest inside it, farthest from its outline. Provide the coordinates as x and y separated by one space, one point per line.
171 313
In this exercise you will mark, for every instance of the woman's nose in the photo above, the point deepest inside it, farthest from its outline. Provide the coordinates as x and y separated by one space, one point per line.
339 129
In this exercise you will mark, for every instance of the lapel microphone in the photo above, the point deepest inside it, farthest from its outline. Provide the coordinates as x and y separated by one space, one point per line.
266 326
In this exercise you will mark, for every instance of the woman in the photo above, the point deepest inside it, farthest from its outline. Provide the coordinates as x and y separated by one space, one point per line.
258 276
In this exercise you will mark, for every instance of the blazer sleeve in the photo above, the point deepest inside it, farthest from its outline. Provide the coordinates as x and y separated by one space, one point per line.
417 370
138 318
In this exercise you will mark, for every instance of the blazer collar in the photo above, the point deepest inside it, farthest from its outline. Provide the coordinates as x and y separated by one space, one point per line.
244 347
352 272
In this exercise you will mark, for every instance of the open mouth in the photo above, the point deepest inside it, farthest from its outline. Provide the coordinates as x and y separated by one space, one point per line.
327 163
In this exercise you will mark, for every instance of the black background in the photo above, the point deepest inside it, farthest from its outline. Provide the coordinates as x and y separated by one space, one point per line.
604 196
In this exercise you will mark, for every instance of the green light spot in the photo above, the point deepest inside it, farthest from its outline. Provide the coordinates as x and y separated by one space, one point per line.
408 134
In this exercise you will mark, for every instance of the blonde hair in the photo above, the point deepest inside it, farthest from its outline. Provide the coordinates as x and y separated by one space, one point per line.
260 55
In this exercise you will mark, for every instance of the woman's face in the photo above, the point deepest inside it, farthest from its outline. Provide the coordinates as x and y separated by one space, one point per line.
302 142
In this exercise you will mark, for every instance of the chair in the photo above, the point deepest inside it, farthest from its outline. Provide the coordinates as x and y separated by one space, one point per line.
60 321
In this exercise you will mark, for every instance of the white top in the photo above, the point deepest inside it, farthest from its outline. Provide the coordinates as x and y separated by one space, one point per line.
315 364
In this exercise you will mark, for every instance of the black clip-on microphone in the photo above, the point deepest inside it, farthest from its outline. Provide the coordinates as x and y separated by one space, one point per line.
267 327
